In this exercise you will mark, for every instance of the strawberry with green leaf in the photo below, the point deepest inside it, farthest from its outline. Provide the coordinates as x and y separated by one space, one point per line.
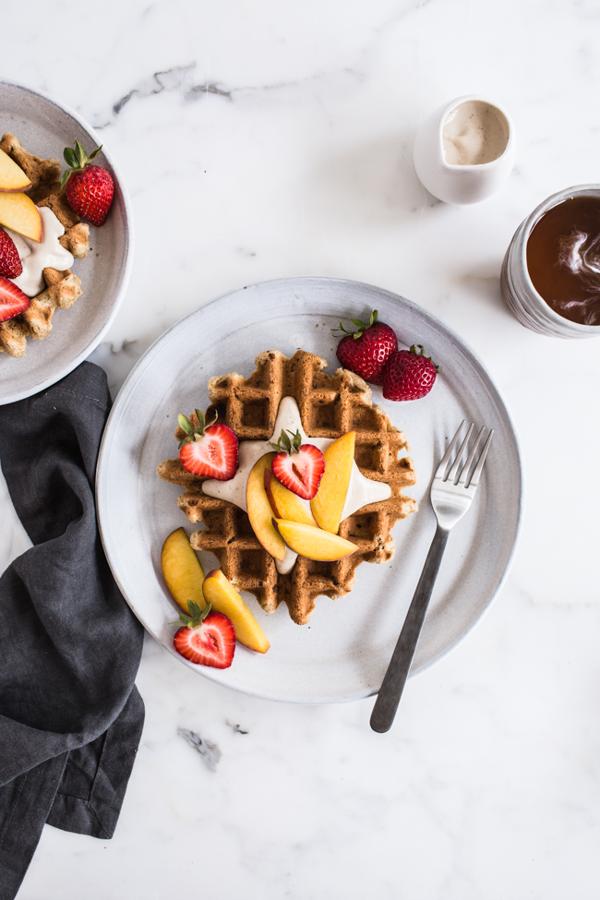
206 638
366 347
208 449
409 374
298 467
89 189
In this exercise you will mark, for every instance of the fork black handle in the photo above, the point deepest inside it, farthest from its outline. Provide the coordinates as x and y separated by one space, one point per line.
394 680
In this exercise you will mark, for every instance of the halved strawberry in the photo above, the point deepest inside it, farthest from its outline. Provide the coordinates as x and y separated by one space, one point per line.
206 638
12 300
10 261
299 467
208 451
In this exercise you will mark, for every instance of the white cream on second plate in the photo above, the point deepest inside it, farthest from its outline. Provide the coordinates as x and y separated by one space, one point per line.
47 254
361 490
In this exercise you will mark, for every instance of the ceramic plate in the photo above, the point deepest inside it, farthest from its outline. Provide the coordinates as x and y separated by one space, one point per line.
45 128
343 652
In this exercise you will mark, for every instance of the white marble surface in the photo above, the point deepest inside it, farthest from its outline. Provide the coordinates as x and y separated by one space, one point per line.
268 139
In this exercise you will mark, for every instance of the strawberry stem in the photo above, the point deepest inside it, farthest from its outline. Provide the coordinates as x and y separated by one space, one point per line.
76 159
196 614
194 430
359 326
419 350
289 442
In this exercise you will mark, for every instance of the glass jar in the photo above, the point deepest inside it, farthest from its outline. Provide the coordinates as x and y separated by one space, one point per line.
522 298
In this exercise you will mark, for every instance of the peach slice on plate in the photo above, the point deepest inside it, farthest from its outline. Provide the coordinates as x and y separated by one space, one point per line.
182 570
12 176
328 503
286 504
314 543
221 594
19 213
259 509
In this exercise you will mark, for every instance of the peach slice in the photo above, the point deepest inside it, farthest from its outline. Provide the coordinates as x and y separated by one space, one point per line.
328 503
19 213
259 509
182 570
223 597
12 176
286 504
314 543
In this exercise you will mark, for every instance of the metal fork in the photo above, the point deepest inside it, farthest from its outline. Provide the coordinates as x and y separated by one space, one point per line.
452 491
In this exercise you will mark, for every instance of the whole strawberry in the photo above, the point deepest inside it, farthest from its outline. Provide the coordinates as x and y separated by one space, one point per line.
89 189
10 262
367 349
408 374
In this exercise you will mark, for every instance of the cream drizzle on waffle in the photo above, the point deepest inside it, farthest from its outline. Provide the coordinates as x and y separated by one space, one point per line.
361 490
36 256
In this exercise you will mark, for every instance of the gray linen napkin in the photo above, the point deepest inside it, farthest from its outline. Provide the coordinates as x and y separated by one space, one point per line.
70 716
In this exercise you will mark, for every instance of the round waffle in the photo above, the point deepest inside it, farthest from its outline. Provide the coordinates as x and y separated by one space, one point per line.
330 405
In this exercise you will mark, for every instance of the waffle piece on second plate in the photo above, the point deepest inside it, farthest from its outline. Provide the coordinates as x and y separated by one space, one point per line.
330 405
62 288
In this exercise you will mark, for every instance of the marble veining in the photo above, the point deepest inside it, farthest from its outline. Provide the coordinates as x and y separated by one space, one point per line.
175 79
236 727
208 751
265 139
180 80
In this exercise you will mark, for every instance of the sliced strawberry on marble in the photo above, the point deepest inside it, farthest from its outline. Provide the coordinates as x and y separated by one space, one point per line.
10 261
206 638
13 301
208 450
298 467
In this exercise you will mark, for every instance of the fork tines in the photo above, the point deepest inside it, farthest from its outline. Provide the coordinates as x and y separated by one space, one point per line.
452 468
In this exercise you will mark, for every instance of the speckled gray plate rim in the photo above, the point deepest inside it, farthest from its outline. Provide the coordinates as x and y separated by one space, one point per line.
343 652
45 127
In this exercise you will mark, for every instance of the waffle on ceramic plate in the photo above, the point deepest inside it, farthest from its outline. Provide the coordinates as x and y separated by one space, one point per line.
62 288
330 405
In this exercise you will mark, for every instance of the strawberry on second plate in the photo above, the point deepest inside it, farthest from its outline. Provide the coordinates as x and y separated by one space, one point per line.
208 451
298 467
89 188
409 374
206 638
12 300
367 348
10 261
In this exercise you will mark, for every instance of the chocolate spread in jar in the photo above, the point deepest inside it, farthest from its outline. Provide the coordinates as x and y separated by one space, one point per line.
563 259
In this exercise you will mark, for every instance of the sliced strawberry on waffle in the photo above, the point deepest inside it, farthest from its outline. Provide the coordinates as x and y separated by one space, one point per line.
206 638
10 261
208 450
12 300
298 467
